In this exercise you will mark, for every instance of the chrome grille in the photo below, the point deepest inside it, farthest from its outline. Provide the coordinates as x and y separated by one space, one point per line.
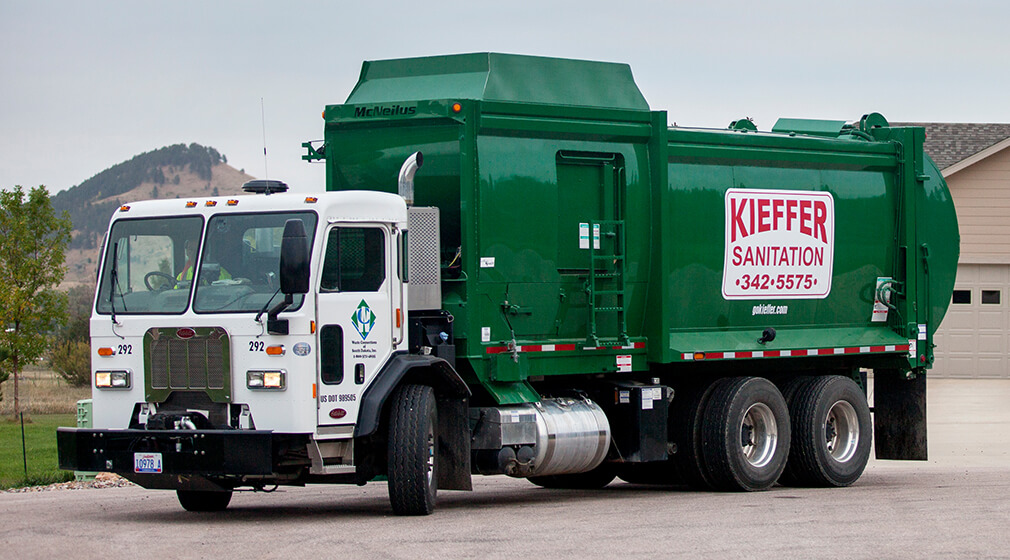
198 362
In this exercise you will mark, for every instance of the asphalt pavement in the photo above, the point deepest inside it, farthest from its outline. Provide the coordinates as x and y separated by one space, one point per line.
956 504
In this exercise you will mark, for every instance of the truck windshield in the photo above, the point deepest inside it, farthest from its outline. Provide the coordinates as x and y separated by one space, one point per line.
239 265
150 256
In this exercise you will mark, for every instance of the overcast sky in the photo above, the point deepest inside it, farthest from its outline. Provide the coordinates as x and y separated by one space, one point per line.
89 84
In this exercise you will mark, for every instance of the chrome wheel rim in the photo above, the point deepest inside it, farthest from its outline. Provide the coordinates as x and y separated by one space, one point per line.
759 435
841 431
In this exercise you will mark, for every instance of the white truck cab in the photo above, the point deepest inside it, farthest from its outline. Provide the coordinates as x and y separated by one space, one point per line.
188 286
237 342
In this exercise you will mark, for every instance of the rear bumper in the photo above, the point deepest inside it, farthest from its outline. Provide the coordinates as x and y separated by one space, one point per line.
207 453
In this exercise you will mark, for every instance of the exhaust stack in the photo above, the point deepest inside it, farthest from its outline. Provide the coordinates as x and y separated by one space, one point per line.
406 179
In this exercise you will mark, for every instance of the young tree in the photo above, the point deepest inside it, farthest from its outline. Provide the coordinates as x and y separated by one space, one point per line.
70 347
4 374
32 241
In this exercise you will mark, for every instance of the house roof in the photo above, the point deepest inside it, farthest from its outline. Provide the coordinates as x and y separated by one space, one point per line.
951 143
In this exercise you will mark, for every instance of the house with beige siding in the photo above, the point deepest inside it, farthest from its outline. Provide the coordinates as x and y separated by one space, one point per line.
974 338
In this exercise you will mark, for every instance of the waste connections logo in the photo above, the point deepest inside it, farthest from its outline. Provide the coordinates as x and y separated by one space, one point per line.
363 319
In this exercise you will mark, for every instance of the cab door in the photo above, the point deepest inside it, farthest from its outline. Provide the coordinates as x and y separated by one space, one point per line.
358 297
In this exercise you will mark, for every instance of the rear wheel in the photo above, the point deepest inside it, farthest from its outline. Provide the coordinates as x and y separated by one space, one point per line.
193 500
685 431
789 389
745 434
831 433
413 468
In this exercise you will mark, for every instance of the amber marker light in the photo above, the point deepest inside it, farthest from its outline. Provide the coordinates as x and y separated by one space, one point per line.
232 202
456 107
124 208
312 327
699 355
275 350
106 352
210 203
190 204
311 200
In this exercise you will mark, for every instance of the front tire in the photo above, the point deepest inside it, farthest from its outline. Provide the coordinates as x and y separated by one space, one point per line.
412 453
831 433
746 434
194 500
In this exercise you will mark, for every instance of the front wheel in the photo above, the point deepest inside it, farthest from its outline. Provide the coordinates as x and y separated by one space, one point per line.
413 468
745 434
194 500
831 433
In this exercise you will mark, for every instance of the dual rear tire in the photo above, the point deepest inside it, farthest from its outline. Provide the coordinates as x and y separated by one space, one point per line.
745 434
832 432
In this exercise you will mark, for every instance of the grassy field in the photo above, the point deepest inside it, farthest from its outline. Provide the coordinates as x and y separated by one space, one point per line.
40 443
48 402
42 392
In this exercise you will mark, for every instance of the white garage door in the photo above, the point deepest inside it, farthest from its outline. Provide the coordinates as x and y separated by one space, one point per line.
974 338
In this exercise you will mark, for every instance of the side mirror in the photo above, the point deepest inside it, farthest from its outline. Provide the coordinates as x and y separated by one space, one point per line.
294 267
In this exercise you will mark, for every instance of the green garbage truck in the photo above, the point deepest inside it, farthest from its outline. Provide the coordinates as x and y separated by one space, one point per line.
518 267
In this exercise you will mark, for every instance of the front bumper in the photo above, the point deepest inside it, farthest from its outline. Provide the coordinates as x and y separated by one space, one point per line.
205 453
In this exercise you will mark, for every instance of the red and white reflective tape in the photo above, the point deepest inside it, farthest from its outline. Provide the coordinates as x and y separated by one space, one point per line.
794 353
560 348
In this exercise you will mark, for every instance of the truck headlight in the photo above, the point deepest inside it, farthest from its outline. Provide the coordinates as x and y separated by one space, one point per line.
271 380
113 379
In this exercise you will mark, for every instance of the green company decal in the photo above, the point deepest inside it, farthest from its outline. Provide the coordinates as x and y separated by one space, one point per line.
363 319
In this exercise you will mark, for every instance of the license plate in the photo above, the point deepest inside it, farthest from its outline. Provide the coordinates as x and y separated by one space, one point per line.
147 463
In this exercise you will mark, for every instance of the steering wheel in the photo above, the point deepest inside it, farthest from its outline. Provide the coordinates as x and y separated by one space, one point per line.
163 287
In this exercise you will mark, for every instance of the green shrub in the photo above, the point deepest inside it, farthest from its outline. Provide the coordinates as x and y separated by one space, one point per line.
72 361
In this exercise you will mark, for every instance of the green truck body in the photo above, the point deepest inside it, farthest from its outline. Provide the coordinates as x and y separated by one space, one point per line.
521 152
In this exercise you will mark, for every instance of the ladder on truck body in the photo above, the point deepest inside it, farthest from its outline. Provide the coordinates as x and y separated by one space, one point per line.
606 280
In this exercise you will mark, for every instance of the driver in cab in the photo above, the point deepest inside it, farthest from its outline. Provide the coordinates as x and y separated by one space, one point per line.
186 275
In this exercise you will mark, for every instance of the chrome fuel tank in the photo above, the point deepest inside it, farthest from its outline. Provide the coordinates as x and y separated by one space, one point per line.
550 437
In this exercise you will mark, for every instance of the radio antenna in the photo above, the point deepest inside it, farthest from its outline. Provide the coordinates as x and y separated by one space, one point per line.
263 120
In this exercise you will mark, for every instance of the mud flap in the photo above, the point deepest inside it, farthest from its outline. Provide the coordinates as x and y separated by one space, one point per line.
899 405
453 444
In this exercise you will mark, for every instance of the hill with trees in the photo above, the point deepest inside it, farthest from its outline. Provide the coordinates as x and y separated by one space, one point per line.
175 171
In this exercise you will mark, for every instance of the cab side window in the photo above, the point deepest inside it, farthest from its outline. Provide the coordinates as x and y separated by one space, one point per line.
355 260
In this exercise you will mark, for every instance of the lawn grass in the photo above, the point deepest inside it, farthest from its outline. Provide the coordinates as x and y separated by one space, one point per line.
40 442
